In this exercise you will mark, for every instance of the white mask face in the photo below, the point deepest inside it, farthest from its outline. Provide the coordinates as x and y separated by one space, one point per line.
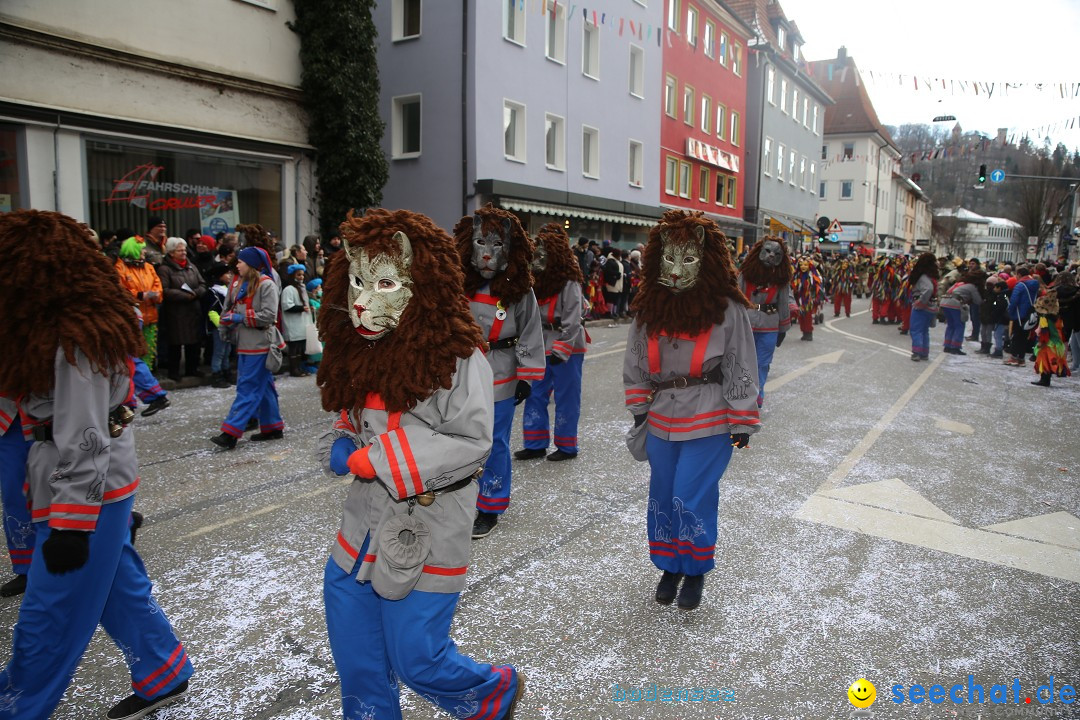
379 289
680 263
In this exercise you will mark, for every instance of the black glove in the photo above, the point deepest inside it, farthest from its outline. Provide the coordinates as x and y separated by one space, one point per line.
780 338
639 419
554 360
522 391
740 440
65 550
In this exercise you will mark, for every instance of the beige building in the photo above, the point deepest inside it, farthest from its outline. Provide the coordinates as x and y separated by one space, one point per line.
113 113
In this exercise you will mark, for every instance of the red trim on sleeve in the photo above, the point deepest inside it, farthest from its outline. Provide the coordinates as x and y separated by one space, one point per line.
395 470
410 461
67 524
349 549
119 492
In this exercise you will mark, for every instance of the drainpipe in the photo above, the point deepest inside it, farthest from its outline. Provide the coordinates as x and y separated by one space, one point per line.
296 198
56 165
464 109
761 142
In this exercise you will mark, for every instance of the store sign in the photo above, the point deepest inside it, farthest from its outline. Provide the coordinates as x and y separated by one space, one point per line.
712 155
139 185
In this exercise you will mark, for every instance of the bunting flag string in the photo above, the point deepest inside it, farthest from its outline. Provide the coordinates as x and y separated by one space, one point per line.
925 84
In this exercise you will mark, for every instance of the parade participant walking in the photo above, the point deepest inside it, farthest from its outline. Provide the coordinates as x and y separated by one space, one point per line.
902 298
1050 357
961 296
557 286
806 290
1021 308
404 367
495 253
765 279
844 282
248 321
141 280
18 529
924 304
689 382
882 290
73 375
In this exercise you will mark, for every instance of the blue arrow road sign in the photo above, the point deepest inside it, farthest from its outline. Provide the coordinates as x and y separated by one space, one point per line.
997 176
834 237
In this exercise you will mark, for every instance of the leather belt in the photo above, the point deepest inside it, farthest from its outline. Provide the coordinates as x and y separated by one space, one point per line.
713 376
503 344
428 497
43 433
555 326
767 308
119 419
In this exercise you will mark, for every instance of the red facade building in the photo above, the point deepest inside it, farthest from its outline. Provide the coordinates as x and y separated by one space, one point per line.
703 106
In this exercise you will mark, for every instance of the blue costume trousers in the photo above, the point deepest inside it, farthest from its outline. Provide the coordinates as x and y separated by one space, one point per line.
59 614
564 382
18 530
494 494
146 385
256 396
954 329
765 342
920 332
377 642
684 500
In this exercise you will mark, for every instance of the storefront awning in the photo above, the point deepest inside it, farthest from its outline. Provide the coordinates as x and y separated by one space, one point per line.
530 206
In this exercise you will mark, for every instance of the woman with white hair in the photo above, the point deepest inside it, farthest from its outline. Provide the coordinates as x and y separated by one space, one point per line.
181 319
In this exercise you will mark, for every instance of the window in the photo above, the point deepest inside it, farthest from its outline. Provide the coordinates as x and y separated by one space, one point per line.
514 21
636 169
780 162
795 104
825 152
637 71
406 120
673 15
806 112
688 105
732 188
710 38
845 189
813 177
590 152
721 121
691 25
791 167
684 179
554 142
514 131
721 188
821 190
766 157
770 84
736 61
671 176
802 172
670 87
722 53
590 50
706 114
781 37
703 184
556 34
816 130
405 23
849 150
734 137
783 95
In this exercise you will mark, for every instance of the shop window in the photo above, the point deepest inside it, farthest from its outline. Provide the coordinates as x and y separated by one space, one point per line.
12 170
127 183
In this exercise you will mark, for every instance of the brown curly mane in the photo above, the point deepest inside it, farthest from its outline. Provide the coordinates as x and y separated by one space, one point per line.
59 291
759 275
703 305
420 355
257 236
511 284
561 263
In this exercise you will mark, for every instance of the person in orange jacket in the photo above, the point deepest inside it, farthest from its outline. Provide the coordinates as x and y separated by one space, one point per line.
141 280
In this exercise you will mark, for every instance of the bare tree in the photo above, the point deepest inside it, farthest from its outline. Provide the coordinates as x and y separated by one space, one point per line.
1040 202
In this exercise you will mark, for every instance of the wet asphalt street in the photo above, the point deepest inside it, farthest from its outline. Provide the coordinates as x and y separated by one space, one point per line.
907 523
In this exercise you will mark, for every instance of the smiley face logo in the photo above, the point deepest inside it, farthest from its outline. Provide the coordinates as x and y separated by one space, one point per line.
862 693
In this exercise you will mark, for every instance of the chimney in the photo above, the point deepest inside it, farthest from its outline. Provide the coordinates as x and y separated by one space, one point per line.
841 54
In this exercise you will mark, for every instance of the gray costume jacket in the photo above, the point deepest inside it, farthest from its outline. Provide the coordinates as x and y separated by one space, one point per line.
444 439
260 311
524 361
563 311
7 413
698 411
779 296
924 294
81 468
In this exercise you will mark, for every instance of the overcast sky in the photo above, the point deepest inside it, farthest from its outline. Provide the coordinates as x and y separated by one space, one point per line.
995 41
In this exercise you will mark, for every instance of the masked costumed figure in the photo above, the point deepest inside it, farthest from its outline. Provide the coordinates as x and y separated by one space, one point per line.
844 282
902 299
765 279
495 253
1050 348
882 290
924 304
557 286
862 270
807 291
72 376
403 367
688 374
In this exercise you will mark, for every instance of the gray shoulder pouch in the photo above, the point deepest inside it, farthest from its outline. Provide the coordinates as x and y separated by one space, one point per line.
403 546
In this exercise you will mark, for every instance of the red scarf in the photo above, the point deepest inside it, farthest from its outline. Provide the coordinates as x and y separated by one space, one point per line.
181 263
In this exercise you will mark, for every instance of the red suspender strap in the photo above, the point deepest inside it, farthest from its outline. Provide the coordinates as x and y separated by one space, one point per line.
701 344
654 354
770 295
549 305
496 325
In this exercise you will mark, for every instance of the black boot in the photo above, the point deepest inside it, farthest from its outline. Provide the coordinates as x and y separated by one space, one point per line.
135 524
17 586
224 440
270 435
808 336
483 525
221 381
667 587
690 593
528 454
984 349
1043 381
294 366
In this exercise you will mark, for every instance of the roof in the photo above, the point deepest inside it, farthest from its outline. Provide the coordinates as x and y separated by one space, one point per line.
963 215
852 113
759 16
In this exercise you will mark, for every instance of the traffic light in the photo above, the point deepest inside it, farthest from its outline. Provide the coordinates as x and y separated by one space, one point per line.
982 174
822 236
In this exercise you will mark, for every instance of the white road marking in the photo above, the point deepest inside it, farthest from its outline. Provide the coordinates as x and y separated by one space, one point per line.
893 495
812 363
620 347
263 510
837 476
1058 528
953 426
828 325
